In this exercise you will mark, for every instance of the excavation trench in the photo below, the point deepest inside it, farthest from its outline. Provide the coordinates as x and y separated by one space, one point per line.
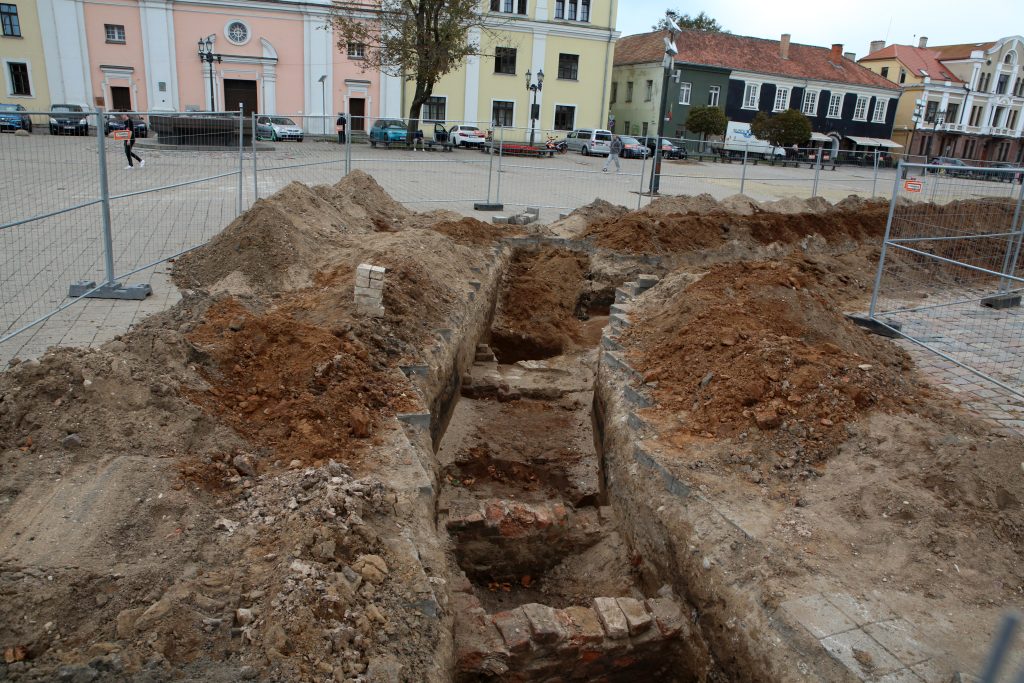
546 587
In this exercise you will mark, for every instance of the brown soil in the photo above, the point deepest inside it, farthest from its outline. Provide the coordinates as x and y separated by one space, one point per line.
474 232
536 316
753 347
647 233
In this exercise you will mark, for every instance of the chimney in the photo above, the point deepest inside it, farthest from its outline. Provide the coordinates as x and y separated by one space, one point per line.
876 45
852 56
837 53
923 42
784 46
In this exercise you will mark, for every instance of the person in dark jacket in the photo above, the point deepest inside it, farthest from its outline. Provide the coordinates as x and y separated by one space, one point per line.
340 123
129 125
615 149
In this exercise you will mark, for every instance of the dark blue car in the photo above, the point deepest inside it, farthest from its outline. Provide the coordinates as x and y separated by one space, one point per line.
12 118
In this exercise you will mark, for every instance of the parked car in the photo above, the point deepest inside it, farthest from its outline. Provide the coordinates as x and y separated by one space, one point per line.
277 128
589 141
466 136
113 122
69 119
953 167
12 118
669 149
387 131
1000 173
633 148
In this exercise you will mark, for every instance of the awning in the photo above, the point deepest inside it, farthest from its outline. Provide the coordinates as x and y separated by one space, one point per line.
885 142
864 142
820 137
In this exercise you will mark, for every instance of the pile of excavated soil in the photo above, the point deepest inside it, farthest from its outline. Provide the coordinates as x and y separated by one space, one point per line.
473 232
700 204
577 221
753 347
279 243
536 316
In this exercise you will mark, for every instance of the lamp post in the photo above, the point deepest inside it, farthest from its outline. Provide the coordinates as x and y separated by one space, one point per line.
668 62
323 101
206 54
534 107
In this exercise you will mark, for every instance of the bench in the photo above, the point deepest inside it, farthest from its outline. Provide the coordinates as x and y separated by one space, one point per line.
402 144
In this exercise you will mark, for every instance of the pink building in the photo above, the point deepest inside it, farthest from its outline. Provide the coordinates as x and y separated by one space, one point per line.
275 57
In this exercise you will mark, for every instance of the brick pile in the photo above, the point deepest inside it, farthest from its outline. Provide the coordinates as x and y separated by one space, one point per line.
370 289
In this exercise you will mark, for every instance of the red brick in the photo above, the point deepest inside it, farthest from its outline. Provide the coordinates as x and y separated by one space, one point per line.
494 512
583 625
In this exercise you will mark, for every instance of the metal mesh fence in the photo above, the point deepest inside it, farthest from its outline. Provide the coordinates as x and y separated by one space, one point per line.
950 275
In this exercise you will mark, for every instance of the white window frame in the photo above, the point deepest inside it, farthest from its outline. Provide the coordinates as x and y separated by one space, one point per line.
356 51
751 91
514 108
835 101
717 92
443 119
782 92
860 109
810 104
248 31
684 92
881 109
10 85
114 39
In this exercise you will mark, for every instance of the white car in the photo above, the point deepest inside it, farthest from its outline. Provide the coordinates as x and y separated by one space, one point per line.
467 136
277 128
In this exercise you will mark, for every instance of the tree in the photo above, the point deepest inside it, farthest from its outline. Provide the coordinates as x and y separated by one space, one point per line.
706 120
701 22
416 40
782 130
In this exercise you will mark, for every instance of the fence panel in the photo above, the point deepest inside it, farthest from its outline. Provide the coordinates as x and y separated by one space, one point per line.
950 275
50 219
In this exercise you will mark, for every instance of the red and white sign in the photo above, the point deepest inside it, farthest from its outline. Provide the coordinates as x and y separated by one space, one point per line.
122 135
913 185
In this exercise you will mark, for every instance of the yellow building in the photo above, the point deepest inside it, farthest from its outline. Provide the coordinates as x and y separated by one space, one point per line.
21 56
571 41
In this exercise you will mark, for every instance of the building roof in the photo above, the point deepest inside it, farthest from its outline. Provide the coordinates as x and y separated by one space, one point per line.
743 53
920 61
961 51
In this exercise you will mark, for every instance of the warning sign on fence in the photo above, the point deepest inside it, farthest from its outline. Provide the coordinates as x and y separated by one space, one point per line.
913 185
122 135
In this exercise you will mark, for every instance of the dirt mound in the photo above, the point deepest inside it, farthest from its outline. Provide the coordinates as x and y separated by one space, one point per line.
866 224
740 204
642 232
701 203
472 231
359 189
536 316
576 222
752 346
793 205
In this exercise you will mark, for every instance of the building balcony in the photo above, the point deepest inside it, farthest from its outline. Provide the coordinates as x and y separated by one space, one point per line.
1002 132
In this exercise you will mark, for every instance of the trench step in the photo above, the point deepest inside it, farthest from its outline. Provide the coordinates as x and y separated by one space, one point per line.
615 639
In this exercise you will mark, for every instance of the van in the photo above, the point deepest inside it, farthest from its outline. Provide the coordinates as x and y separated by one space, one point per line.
739 139
589 141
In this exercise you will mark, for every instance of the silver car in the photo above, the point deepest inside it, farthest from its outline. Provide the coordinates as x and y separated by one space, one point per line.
277 128
589 141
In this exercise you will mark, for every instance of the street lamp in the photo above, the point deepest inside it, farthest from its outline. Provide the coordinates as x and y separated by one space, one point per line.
668 62
534 107
323 101
206 54
921 114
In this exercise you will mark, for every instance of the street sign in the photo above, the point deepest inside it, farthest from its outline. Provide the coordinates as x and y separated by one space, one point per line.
122 135
913 185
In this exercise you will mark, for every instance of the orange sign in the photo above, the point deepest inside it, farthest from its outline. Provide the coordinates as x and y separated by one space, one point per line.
122 135
913 185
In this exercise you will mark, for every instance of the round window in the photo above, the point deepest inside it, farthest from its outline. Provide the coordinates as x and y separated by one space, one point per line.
237 32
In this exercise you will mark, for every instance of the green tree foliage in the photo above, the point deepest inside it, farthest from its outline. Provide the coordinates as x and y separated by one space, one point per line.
706 120
701 22
790 127
416 40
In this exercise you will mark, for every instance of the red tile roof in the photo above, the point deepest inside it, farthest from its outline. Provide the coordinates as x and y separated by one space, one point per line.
921 61
743 53
962 51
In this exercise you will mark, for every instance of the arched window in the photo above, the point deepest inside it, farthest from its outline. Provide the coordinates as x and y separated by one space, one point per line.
1011 58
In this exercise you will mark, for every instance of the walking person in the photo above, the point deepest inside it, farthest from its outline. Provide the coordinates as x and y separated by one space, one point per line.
615 149
129 143
340 123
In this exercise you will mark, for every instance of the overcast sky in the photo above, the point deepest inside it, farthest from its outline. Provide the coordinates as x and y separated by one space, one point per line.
855 24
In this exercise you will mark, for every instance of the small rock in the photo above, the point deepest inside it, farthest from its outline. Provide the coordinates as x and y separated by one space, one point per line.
247 673
236 325
158 610
77 674
359 420
767 418
243 463
243 616
706 380
865 367
295 464
225 524
71 441
371 567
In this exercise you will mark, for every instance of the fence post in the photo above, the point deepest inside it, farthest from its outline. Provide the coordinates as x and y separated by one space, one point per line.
817 173
743 171
109 289
1013 246
874 179
640 192
885 241
501 153
490 169
255 166
241 153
